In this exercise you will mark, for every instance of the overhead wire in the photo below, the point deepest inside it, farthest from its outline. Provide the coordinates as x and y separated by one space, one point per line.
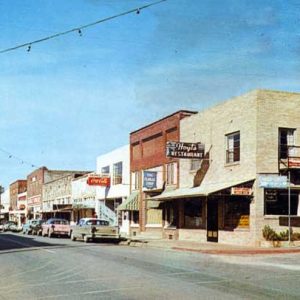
22 161
79 29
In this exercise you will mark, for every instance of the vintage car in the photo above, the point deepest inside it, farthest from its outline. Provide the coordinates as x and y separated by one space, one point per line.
27 227
9 225
37 227
90 229
55 226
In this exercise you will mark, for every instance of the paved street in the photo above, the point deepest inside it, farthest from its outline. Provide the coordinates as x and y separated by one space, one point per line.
43 268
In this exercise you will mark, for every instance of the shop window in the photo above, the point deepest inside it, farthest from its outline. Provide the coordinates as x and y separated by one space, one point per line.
286 139
236 213
135 217
172 173
117 173
195 164
276 202
193 213
171 215
233 147
105 170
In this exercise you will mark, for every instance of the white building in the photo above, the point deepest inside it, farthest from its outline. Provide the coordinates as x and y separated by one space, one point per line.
115 165
5 201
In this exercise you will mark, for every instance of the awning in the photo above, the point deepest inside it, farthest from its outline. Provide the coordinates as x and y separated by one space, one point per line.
202 190
131 203
153 204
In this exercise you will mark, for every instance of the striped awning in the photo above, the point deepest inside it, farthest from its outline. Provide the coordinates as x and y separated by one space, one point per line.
131 203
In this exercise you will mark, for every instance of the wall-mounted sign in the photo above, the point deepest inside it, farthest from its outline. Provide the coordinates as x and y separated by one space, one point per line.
241 191
271 195
150 180
294 162
99 181
185 150
34 200
22 206
273 181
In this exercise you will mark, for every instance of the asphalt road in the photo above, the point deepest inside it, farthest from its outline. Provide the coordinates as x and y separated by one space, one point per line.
44 268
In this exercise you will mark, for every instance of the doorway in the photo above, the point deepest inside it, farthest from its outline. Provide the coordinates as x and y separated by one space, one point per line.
212 220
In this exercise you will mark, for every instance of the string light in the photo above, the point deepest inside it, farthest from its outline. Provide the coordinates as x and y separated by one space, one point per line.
22 161
79 28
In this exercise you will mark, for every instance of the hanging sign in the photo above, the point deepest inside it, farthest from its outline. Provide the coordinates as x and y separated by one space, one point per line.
150 180
185 150
99 181
273 181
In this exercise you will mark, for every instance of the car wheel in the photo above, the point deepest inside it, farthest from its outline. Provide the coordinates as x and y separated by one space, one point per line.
73 238
85 239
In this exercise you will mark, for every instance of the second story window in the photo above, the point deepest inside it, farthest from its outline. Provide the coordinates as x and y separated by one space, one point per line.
105 170
286 139
172 173
136 180
233 147
117 173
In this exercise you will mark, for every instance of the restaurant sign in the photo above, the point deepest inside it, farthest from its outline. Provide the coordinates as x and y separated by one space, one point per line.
150 180
99 181
185 150
273 181
241 191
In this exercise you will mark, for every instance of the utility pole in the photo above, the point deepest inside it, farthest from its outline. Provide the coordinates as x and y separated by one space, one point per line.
289 205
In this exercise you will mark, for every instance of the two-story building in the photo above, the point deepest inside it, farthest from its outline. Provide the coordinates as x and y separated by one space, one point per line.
113 166
57 196
242 183
18 204
151 172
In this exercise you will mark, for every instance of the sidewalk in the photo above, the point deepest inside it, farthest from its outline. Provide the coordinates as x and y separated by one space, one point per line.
209 248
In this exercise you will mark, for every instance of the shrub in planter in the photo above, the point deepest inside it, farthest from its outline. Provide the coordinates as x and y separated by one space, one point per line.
269 234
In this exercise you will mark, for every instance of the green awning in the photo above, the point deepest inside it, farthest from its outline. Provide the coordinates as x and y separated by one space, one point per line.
131 203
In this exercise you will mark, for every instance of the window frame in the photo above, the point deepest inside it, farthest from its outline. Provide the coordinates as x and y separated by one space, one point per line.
118 173
233 153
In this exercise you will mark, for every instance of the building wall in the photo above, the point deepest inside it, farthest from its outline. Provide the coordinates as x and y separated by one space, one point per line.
211 127
17 187
58 191
120 154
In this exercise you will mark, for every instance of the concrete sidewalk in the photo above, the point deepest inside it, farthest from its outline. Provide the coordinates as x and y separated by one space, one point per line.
209 248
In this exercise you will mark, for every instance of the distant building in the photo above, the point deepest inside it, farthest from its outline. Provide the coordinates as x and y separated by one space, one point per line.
57 195
35 182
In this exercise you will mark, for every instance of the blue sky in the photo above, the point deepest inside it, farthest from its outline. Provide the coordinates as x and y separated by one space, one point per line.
73 98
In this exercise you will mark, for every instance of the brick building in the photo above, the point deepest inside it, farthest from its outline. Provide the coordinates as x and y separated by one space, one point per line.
241 185
35 182
15 188
148 158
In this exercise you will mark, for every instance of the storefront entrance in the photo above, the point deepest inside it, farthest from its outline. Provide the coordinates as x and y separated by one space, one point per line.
212 220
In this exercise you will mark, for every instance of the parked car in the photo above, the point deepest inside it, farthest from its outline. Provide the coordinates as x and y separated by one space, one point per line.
15 227
37 227
2 225
27 227
55 226
92 228
8 224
